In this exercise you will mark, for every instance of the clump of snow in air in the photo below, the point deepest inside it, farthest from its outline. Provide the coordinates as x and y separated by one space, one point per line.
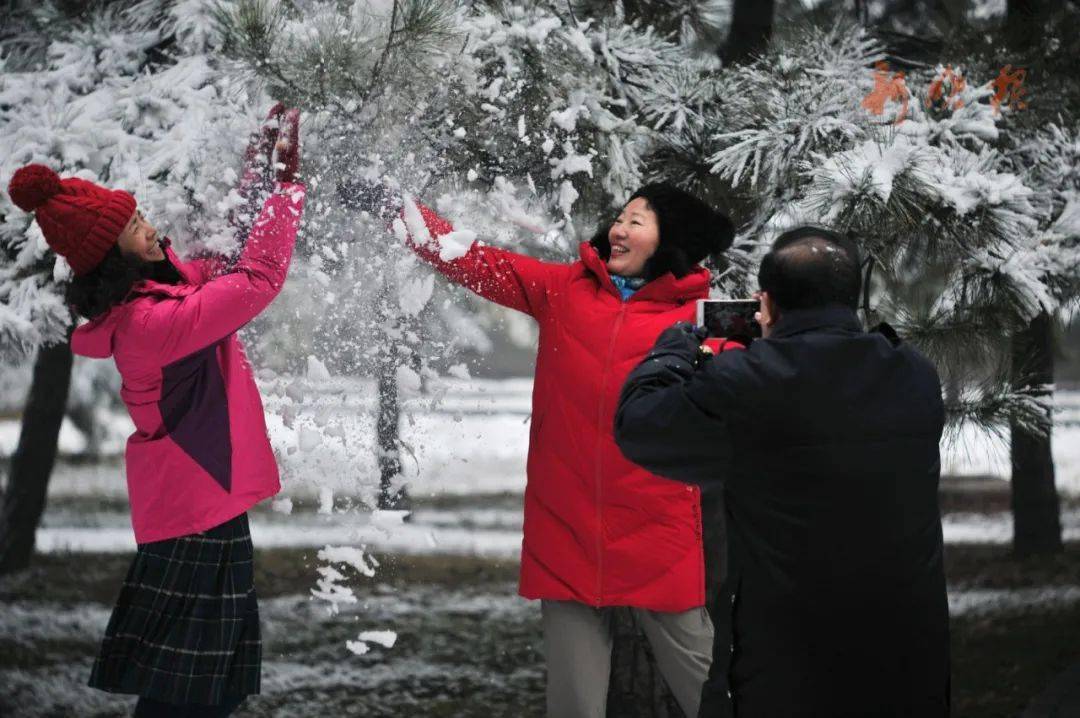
386 639
571 163
408 380
456 244
316 370
357 647
414 293
414 225
567 196
308 438
459 371
329 588
326 500
283 505
351 556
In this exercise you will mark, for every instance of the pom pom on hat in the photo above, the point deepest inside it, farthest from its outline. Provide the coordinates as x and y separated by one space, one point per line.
32 186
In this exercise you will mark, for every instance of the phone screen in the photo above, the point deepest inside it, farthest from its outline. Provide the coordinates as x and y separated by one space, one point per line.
727 318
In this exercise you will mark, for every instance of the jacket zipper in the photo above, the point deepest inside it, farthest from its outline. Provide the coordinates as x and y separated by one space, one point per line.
599 456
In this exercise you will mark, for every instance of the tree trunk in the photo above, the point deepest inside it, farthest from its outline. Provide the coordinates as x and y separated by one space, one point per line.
751 29
388 424
84 418
1024 21
23 501
1035 504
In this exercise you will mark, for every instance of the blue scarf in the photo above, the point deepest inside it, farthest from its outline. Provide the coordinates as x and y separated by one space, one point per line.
627 285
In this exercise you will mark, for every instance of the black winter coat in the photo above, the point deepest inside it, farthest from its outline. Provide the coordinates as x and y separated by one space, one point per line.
825 441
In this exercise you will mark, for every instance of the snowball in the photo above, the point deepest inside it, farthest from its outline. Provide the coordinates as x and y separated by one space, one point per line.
459 132
459 371
283 505
471 175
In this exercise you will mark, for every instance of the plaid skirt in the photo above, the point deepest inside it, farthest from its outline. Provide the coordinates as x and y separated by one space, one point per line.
186 626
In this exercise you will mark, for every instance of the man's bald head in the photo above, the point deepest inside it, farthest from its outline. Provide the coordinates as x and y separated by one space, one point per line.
811 267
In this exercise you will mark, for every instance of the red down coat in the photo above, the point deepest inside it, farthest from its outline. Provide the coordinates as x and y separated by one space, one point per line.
598 529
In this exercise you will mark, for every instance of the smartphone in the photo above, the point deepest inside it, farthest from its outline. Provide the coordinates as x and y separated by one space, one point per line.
727 318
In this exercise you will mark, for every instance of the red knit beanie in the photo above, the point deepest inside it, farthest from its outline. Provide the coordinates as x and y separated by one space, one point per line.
80 220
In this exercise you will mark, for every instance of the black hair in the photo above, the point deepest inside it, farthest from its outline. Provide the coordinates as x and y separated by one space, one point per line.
810 267
109 283
690 231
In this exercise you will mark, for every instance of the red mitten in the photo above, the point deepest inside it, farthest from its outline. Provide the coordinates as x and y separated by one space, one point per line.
287 149
258 155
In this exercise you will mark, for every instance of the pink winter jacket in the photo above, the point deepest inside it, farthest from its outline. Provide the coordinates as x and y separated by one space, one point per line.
200 454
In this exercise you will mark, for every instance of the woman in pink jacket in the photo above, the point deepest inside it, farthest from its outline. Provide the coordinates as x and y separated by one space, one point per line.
184 635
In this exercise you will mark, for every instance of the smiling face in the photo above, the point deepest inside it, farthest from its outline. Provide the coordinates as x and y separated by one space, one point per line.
634 237
139 239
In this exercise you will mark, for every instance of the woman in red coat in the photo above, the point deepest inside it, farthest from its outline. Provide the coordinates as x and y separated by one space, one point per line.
600 531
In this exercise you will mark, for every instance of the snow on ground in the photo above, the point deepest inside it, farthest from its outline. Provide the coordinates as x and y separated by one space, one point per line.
985 601
464 532
466 436
997 528
448 642
476 531
477 645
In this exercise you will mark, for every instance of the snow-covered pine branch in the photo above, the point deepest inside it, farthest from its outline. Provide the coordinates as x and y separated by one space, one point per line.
107 101
960 247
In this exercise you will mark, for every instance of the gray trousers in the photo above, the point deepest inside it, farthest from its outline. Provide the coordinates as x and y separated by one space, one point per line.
577 647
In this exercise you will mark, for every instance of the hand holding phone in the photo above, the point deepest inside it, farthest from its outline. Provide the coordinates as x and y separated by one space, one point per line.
729 318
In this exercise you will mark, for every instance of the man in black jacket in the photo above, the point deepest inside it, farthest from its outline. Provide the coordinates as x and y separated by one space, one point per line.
824 439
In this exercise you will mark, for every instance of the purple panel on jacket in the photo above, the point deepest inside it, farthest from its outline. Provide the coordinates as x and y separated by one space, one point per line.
195 410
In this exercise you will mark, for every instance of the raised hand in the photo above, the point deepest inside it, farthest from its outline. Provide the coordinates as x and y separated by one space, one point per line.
258 156
287 147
